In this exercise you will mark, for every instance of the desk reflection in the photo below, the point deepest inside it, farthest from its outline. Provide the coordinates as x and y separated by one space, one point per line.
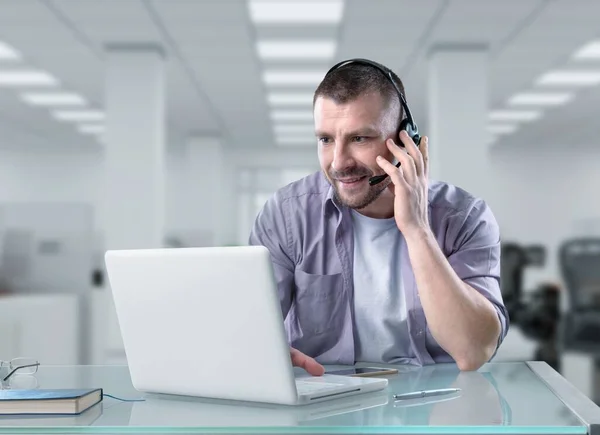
478 404
163 410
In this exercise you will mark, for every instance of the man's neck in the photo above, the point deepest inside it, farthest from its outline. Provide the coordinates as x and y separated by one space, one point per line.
381 208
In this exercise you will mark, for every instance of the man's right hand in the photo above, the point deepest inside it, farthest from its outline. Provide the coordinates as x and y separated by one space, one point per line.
305 362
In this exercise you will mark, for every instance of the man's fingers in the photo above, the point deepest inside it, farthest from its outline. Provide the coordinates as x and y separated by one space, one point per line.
313 367
424 146
413 151
307 363
406 161
396 174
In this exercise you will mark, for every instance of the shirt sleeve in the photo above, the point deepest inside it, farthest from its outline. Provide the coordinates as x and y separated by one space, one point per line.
270 230
476 256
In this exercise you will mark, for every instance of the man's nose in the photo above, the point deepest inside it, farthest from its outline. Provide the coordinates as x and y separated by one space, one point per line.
341 158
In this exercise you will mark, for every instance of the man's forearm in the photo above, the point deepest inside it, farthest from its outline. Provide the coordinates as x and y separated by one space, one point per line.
461 320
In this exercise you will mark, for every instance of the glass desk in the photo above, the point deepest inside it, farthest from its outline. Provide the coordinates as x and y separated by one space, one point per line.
500 398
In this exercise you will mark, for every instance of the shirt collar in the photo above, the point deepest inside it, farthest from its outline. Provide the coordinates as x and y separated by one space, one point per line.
330 200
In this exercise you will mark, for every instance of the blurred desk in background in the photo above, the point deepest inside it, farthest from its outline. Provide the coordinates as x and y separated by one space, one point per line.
511 398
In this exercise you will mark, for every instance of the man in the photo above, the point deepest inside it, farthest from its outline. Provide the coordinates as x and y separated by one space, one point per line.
404 271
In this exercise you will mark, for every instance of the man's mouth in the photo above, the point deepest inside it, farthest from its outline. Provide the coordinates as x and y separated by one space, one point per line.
353 180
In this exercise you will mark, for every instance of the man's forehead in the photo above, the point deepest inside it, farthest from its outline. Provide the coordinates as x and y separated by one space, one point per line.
372 99
365 109
359 107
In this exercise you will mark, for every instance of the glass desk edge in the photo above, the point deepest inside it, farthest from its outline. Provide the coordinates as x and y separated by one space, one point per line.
402 430
583 408
577 402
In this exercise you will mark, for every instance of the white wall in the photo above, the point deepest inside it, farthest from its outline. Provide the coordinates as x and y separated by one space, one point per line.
540 195
53 175
59 175
65 175
75 175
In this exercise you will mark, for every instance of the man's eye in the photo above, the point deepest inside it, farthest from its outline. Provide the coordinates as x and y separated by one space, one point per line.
324 139
360 138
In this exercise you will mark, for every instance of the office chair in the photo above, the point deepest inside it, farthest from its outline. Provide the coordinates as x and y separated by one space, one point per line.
580 268
536 311
514 259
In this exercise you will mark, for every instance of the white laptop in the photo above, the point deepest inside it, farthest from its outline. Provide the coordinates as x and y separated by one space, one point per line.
207 322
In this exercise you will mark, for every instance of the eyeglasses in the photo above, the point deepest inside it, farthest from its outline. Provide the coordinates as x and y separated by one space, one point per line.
20 382
24 366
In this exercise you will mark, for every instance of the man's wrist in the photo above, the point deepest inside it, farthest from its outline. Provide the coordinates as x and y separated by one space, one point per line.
418 235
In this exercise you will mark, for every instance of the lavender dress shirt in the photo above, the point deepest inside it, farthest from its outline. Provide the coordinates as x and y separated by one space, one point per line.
310 238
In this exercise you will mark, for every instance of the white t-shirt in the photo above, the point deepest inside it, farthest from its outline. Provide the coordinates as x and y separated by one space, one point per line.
381 331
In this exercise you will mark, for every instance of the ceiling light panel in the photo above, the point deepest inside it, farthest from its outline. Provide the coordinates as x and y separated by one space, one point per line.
515 115
290 98
91 128
78 115
296 12
540 99
573 78
53 99
307 129
292 115
26 78
8 53
295 50
502 128
291 77
588 51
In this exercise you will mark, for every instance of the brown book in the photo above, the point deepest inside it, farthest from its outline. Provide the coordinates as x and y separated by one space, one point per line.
40 402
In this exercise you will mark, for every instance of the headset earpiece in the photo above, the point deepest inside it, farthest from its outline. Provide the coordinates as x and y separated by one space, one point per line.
413 131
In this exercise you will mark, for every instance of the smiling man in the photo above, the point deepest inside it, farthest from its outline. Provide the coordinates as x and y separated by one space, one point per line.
404 271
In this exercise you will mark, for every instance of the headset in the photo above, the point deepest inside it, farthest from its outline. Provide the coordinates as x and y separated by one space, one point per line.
408 124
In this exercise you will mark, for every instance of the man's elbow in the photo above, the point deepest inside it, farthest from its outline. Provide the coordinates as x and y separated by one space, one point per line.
477 357
472 363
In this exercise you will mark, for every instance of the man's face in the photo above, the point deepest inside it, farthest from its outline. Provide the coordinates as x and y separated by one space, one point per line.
350 137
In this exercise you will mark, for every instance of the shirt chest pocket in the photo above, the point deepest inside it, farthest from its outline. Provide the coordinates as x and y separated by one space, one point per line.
318 301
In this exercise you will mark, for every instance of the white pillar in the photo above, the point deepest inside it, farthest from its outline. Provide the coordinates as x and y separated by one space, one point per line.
458 117
229 205
134 201
208 199
135 147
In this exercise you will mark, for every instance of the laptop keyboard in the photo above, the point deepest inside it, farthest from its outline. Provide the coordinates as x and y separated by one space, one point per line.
309 387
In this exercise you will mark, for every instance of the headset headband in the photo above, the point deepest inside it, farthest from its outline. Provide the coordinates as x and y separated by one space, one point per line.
386 72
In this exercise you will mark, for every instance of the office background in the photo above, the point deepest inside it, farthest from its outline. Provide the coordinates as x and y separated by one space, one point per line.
145 123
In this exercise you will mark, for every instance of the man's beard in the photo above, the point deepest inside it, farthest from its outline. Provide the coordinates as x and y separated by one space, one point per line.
363 200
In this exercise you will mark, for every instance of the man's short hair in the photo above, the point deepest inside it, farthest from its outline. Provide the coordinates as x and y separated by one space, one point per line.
348 82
